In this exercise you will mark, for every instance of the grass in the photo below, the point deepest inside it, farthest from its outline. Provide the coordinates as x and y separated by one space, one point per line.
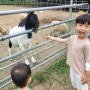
59 71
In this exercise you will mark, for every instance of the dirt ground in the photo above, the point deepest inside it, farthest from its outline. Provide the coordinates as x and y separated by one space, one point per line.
45 17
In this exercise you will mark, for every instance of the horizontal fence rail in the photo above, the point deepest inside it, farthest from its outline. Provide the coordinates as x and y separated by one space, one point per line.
8 12
26 50
28 31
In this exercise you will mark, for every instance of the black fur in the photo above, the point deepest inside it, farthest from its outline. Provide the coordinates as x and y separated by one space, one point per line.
10 44
30 22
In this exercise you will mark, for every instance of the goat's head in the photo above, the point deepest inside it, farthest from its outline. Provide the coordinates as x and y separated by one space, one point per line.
32 22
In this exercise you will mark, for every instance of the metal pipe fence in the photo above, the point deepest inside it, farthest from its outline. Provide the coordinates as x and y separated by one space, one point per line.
8 12
28 31
37 46
65 35
39 63
7 79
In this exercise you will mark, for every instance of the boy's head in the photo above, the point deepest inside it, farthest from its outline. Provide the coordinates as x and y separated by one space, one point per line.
83 25
83 19
21 75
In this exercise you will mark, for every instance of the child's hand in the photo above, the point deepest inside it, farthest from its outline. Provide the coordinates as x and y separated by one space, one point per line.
49 37
84 80
85 77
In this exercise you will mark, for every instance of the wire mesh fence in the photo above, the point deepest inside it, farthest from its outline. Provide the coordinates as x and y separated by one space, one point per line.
41 3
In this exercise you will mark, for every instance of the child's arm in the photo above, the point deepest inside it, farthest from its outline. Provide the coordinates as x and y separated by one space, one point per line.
55 38
87 73
86 53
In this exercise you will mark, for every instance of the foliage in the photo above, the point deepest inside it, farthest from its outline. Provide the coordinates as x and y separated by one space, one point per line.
16 2
60 69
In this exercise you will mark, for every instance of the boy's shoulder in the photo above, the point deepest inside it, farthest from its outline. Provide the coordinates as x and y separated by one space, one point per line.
73 36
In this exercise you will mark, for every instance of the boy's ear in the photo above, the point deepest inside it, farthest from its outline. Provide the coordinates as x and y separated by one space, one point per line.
29 80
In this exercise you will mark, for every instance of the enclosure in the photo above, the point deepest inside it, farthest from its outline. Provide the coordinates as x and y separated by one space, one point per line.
43 50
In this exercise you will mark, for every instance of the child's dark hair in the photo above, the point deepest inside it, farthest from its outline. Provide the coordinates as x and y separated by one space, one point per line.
88 1
20 73
83 19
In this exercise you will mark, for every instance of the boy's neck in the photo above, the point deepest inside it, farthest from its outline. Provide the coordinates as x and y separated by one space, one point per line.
24 88
82 38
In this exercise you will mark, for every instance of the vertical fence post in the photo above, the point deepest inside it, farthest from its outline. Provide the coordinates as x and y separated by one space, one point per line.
70 16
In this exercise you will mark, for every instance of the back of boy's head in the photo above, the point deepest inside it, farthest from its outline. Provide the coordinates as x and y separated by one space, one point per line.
83 19
88 1
20 74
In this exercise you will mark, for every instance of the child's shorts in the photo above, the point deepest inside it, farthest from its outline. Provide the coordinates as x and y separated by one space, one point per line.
76 81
